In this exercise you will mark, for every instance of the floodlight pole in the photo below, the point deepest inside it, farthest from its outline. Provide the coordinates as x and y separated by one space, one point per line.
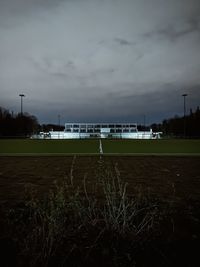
59 126
22 95
184 112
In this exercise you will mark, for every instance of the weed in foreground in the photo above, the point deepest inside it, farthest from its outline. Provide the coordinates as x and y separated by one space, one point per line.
74 227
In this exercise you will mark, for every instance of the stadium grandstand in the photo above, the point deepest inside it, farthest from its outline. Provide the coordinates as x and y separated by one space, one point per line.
100 130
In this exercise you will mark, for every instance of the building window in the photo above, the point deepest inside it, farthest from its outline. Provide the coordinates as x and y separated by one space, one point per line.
83 126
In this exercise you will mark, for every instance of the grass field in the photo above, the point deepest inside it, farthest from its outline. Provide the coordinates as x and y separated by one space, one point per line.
102 203
48 146
160 147
151 146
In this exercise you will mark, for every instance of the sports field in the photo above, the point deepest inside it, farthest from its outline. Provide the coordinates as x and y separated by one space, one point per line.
167 189
96 146
76 190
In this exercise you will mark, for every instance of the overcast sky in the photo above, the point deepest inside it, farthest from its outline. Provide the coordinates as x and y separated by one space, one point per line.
100 60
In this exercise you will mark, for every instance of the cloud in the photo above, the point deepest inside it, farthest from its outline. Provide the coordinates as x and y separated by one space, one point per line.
176 30
97 58
122 41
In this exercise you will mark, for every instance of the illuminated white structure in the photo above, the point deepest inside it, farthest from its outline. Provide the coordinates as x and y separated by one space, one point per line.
101 130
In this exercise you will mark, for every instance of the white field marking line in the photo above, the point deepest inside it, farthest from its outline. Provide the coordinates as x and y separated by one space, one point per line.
46 154
152 154
100 147
95 154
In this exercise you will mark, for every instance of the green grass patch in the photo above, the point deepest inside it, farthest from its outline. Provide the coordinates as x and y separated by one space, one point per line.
48 146
151 146
28 146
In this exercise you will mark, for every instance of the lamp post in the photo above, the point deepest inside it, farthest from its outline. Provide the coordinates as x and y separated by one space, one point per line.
144 124
184 112
59 126
59 120
22 95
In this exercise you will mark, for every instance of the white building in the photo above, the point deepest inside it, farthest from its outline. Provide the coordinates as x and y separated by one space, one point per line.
100 130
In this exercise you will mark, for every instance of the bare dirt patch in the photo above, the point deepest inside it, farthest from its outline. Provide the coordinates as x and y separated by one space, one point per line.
173 183
167 178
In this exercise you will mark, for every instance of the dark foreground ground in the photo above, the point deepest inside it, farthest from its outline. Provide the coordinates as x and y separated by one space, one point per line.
173 183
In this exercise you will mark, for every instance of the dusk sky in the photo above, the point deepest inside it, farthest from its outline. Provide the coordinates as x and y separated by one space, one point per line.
100 60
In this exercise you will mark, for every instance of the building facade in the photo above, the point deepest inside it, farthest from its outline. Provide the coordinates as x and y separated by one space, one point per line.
101 130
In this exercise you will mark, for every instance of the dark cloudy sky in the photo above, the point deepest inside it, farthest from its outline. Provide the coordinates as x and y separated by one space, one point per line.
100 60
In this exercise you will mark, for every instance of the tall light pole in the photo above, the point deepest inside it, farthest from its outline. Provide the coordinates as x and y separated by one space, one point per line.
184 112
59 120
22 95
144 124
59 126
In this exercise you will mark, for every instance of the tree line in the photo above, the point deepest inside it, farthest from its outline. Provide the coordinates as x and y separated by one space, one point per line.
17 124
188 126
24 125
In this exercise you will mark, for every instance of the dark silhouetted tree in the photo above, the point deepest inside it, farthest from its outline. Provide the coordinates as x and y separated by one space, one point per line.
19 125
175 126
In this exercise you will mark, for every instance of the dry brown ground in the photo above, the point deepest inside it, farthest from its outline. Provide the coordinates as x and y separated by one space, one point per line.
166 178
172 182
